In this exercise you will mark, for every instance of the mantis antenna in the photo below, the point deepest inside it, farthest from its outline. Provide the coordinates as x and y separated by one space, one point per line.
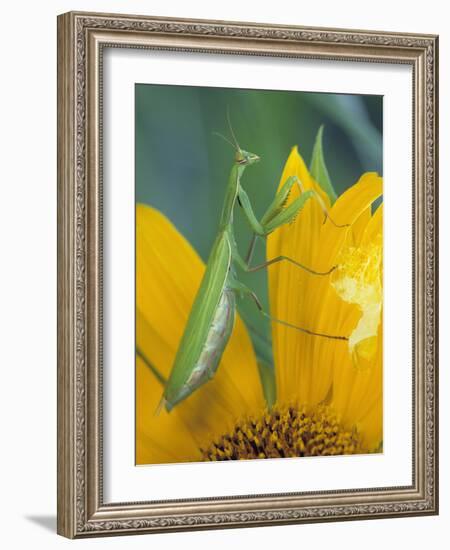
225 139
231 130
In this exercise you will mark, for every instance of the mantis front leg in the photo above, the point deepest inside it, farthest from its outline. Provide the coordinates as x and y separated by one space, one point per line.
276 216
277 213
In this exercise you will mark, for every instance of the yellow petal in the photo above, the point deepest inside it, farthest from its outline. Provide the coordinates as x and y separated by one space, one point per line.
358 392
365 348
358 280
304 364
358 396
159 438
168 274
286 285
374 226
357 198
359 226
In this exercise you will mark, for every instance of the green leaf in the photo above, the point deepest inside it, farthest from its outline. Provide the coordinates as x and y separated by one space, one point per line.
263 351
319 170
262 344
154 370
267 375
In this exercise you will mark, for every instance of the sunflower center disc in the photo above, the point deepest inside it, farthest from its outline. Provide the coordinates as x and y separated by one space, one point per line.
286 432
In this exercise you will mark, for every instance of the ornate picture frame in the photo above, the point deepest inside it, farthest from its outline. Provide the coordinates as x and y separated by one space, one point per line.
82 41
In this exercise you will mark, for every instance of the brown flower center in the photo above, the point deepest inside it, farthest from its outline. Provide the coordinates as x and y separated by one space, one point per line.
286 432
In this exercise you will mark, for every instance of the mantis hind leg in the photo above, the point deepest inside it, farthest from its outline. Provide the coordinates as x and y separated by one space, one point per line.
251 269
242 289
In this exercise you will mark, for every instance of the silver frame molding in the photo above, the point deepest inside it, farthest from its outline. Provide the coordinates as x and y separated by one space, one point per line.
81 39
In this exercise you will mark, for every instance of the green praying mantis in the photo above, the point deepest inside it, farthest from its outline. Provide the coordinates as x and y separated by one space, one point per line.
211 319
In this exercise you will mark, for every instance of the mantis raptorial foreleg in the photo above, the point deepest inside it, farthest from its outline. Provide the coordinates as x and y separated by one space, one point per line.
277 213
275 208
276 216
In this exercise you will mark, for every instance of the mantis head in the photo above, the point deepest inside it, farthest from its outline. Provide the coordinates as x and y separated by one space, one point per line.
246 158
242 157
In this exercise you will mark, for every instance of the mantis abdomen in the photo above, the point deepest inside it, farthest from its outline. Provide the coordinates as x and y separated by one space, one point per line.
216 339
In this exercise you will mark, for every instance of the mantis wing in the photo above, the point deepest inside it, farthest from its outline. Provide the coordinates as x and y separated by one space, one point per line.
200 318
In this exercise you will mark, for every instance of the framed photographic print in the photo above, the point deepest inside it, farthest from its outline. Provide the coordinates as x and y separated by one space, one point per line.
247 284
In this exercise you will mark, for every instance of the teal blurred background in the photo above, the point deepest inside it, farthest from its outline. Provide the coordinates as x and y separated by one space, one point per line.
182 167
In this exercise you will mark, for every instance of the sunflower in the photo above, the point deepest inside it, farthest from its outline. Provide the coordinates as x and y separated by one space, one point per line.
328 392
